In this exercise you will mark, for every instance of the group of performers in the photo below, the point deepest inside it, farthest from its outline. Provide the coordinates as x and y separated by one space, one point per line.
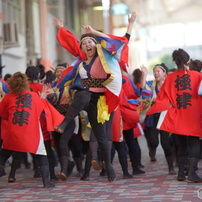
98 83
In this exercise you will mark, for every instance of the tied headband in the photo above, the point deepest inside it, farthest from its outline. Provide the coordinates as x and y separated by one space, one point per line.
88 37
163 68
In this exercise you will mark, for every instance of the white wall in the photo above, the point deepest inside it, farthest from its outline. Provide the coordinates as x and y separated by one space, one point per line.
14 59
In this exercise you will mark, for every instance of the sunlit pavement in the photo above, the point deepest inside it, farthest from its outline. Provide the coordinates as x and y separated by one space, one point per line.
155 185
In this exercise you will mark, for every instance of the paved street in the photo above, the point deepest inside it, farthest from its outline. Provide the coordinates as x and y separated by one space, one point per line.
156 185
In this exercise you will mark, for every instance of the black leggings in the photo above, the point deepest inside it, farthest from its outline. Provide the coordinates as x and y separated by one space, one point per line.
121 149
5 154
188 146
75 145
101 131
133 146
84 100
65 138
153 139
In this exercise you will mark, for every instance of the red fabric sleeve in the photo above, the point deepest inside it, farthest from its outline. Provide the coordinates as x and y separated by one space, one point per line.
70 42
128 89
162 101
53 117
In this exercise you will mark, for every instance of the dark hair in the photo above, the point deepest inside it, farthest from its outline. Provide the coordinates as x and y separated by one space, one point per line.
62 65
195 65
50 77
32 73
163 67
180 57
7 76
41 71
137 76
18 83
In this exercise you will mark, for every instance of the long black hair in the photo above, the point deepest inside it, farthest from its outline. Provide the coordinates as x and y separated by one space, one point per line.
180 57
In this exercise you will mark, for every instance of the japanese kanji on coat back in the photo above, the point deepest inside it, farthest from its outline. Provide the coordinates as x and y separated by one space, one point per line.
179 99
21 113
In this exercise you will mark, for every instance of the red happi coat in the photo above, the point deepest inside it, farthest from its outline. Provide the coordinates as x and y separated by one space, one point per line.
37 88
125 116
180 103
128 110
22 129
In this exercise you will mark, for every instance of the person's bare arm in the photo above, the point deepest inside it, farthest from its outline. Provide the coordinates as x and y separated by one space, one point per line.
90 30
144 76
58 23
131 20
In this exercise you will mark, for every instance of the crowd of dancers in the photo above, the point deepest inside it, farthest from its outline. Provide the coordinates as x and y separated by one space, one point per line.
81 114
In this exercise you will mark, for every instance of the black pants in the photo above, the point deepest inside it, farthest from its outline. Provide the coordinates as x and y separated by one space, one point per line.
152 136
188 146
84 100
133 146
5 154
75 145
121 149
100 131
62 140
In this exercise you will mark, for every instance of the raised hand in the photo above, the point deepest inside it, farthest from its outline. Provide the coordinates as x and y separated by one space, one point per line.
132 18
88 29
43 93
144 70
58 23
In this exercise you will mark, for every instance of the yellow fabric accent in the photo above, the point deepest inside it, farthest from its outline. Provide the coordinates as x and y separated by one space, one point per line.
103 43
67 83
1 91
85 129
102 108
143 109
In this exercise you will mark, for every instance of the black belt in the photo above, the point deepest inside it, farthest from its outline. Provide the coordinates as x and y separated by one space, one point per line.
93 83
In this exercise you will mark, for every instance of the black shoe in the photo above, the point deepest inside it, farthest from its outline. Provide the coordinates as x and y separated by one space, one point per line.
153 159
194 177
48 185
54 179
140 166
79 174
111 175
85 178
138 172
11 179
181 178
127 176
103 172
172 172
